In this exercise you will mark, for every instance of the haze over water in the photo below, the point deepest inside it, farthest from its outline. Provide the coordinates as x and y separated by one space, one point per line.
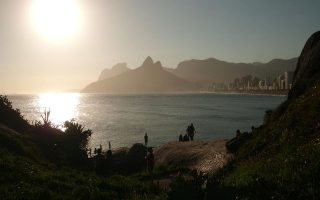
124 119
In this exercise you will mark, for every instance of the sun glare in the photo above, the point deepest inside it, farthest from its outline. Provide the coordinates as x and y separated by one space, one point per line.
56 19
62 106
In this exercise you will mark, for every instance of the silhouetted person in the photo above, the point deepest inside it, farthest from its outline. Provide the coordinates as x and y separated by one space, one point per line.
99 150
146 138
238 133
150 160
180 138
95 151
191 131
252 128
90 152
109 152
186 137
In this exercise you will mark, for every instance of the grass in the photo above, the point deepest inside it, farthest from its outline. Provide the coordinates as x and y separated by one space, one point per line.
282 160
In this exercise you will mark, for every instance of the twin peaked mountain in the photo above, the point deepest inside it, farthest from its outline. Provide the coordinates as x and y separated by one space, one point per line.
189 76
150 77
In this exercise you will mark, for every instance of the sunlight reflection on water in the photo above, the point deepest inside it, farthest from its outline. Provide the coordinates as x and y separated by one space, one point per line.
62 106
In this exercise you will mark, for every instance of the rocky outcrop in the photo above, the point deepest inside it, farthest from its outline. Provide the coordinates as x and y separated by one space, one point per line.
307 73
204 156
148 61
114 71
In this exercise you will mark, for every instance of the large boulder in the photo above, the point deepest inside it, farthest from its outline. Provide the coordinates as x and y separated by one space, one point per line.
128 161
307 73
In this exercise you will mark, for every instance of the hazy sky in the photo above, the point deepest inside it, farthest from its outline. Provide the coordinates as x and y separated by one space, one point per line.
112 31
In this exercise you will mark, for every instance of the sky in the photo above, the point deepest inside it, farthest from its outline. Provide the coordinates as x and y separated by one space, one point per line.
113 31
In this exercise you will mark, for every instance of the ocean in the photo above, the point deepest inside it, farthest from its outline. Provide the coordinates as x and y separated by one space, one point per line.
124 119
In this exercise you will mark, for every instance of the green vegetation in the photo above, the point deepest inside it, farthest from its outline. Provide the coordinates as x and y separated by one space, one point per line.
282 160
42 162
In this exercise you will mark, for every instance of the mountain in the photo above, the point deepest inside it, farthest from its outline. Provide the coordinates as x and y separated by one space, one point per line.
114 71
214 70
150 77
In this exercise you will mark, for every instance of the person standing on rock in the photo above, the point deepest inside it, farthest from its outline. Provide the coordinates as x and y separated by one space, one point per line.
146 138
180 138
191 131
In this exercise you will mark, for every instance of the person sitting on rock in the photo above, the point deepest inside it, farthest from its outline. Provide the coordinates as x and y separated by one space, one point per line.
185 138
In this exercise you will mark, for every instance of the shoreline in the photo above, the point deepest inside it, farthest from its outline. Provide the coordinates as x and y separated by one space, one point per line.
255 92
229 92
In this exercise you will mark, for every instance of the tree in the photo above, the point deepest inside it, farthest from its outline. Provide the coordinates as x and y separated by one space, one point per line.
11 117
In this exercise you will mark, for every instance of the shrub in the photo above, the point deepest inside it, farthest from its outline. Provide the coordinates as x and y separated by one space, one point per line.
10 117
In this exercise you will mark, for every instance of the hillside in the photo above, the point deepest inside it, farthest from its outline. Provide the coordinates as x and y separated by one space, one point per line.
114 71
213 70
282 159
150 77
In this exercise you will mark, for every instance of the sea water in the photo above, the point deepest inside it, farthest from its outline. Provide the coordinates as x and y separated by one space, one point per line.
124 119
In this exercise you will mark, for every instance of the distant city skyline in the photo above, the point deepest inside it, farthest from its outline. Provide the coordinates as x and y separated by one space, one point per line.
128 31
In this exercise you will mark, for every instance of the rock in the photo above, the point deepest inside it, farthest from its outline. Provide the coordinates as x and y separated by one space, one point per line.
148 61
127 161
204 156
157 65
307 73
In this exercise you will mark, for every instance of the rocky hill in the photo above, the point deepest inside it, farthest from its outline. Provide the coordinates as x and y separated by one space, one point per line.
281 160
150 77
307 73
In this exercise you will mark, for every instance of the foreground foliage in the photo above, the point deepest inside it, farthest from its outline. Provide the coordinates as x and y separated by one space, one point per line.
282 160
42 162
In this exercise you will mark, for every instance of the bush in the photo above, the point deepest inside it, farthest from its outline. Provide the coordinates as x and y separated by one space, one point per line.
10 117
183 188
74 143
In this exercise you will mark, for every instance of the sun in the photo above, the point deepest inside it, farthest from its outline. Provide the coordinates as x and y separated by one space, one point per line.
56 19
